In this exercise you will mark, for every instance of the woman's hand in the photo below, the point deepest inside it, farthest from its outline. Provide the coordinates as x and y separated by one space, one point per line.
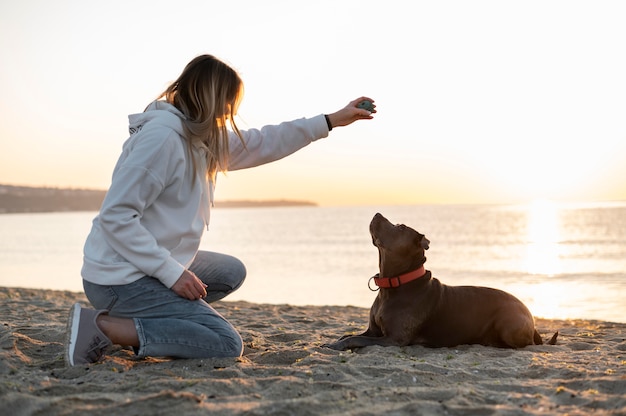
351 113
189 286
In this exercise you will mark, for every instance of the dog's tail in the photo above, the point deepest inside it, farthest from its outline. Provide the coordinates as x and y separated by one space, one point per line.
538 341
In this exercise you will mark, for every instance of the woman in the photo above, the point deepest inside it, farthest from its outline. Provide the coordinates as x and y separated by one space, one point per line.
142 270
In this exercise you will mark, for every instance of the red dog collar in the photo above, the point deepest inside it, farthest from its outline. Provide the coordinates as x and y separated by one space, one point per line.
387 282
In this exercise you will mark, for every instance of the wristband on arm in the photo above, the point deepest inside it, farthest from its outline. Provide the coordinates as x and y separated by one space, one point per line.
330 126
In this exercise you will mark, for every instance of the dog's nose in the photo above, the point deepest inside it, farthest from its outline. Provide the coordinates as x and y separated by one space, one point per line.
378 216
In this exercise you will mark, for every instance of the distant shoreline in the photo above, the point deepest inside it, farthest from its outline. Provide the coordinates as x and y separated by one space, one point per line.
24 199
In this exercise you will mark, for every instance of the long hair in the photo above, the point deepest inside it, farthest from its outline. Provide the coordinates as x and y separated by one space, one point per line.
208 93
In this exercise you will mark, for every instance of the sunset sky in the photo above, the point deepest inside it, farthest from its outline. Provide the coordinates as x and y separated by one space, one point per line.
478 101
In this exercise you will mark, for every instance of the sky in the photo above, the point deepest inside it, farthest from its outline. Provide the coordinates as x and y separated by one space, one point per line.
478 101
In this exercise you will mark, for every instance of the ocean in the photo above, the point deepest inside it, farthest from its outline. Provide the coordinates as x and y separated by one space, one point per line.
565 261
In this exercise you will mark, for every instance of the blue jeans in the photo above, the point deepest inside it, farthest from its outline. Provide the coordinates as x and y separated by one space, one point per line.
169 325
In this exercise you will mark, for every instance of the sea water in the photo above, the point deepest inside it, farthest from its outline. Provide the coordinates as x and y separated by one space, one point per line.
563 261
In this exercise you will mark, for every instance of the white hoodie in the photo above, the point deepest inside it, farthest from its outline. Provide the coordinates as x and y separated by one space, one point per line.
153 216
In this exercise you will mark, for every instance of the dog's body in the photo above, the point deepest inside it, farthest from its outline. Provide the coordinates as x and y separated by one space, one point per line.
413 308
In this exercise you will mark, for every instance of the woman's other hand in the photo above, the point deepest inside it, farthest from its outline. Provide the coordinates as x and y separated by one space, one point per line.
189 286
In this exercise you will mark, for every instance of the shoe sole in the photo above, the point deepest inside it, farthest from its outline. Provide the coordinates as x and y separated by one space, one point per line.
73 323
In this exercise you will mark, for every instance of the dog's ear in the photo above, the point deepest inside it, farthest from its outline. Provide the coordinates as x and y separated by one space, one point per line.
424 242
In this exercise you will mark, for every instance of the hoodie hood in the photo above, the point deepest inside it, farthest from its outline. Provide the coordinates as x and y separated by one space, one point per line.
158 112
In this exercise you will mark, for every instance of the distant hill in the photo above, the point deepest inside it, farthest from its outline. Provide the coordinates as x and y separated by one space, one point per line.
28 199
32 199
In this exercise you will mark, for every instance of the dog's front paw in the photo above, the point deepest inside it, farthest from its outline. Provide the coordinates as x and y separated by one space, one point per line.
334 346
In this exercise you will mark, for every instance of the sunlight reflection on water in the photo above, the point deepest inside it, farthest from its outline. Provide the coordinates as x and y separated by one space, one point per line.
543 253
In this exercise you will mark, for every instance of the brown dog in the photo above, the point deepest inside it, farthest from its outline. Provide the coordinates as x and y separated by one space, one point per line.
414 308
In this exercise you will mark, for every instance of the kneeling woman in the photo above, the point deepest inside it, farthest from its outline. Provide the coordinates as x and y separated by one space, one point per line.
142 271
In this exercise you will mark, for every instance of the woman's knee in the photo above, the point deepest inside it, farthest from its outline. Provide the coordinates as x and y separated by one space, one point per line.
238 273
234 345
222 271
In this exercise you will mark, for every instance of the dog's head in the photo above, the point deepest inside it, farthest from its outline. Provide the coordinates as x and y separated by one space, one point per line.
399 247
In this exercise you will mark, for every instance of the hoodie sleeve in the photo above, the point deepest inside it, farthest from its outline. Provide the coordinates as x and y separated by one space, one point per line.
274 142
137 182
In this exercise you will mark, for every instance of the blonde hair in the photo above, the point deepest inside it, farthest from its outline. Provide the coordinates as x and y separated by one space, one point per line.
208 93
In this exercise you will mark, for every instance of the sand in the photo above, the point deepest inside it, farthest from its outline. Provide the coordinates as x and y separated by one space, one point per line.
285 370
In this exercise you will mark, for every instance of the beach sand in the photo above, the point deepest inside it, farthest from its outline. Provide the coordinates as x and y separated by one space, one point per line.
286 371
